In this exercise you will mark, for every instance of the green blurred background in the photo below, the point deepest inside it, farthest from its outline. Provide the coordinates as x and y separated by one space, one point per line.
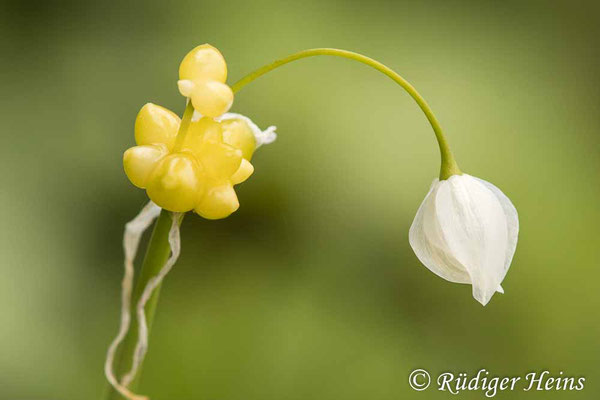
310 290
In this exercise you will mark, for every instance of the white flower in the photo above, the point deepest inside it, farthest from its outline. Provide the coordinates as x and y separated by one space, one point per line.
466 231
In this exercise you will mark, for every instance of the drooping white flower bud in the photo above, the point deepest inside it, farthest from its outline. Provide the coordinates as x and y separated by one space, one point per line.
466 231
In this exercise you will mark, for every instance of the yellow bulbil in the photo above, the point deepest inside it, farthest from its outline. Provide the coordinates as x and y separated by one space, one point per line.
211 98
139 161
238 134
199 175
244 171
220 160
200 131
156 124
204 62
176 183
219 202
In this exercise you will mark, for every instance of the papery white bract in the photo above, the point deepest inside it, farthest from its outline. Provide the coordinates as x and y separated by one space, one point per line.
466 231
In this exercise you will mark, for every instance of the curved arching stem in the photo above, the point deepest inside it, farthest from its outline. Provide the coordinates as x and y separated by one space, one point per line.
448 166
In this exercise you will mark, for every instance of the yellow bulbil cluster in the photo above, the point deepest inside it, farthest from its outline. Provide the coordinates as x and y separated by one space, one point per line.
195 169
199 175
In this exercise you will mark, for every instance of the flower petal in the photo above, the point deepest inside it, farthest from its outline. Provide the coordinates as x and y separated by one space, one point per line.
428 244
512 222
474 227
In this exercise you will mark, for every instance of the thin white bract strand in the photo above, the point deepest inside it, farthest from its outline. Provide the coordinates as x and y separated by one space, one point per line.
267 136
131 240
142 343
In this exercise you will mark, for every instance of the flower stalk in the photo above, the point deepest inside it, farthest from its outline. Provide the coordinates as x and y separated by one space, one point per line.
448 166
156 256
183 127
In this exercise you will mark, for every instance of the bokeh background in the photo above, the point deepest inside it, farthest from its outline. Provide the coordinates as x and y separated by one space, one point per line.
310 290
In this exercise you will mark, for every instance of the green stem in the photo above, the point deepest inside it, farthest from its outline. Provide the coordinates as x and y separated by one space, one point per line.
156 256
448 166
183 127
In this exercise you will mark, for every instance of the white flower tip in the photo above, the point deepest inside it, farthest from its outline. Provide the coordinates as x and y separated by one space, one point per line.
185 87
481 296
